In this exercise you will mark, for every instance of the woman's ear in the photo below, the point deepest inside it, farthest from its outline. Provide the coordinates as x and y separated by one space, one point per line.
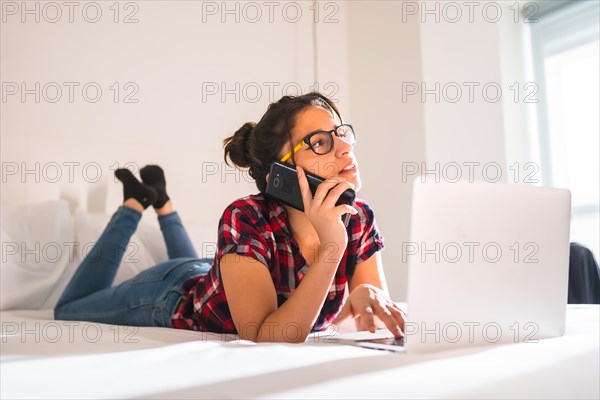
267 179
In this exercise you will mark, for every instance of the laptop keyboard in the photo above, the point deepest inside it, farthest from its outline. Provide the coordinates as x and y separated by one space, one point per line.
389 341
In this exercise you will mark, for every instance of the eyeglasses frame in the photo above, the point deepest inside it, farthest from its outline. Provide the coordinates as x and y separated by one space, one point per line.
306 140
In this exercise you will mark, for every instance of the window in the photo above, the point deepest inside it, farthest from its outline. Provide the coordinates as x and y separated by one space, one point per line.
566 62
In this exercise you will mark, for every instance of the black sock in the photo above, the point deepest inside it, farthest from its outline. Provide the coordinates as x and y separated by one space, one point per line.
132 188
154 176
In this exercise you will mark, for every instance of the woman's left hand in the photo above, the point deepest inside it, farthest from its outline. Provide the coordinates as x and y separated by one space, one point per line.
367 302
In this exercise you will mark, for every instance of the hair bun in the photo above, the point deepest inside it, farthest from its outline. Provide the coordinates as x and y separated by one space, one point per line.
246 133
238 145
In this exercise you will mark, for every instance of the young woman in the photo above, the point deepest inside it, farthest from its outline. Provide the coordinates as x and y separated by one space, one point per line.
279 273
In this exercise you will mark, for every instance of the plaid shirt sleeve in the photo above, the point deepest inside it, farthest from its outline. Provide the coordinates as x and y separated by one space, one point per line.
370 240
242 231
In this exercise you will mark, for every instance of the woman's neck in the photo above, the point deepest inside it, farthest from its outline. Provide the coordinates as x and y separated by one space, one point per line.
302 230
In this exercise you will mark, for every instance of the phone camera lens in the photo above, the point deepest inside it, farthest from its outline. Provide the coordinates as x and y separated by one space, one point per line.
276 182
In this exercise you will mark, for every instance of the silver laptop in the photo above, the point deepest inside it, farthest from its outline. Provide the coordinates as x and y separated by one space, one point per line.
488 264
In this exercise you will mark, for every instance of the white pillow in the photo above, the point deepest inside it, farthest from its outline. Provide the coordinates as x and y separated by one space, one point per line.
37 242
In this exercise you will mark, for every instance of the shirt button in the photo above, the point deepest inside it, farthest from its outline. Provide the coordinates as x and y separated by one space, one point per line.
157 310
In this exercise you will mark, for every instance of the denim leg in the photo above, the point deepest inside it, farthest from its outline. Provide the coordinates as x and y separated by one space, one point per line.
148 299
98 269
176 238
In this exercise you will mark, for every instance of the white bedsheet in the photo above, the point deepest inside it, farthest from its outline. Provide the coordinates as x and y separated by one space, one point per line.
42 358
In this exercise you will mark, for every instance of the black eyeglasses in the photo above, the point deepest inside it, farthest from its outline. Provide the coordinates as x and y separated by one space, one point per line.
321 142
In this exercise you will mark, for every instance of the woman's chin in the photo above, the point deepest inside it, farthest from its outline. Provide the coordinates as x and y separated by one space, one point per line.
356 181
352 177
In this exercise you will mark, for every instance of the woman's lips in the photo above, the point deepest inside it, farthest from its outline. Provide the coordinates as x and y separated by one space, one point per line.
351 170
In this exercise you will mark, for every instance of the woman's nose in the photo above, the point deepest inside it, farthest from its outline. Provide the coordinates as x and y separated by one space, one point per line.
341 146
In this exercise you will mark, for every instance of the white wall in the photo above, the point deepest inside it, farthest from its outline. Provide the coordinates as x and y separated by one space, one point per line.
460 57
365 54
170 54
381 55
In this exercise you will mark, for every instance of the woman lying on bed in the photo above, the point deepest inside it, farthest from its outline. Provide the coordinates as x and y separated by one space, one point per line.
279 273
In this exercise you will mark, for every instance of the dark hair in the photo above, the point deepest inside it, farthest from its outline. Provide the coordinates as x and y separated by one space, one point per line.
257 145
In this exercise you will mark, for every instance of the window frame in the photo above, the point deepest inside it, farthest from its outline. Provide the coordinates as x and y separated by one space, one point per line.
562 27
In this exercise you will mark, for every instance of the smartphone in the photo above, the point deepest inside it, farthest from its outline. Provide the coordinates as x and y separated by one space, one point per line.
283 185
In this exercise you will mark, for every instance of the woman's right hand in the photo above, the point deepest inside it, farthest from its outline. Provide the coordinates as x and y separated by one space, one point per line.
322 212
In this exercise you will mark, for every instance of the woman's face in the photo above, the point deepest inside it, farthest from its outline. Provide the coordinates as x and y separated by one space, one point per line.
328 165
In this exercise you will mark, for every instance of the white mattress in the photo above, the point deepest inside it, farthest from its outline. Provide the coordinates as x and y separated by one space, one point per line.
42 358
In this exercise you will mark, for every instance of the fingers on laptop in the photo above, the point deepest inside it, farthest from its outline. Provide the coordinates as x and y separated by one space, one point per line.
398 316
391 317
346 312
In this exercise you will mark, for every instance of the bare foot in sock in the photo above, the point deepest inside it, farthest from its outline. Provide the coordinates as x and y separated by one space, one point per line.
154 176
145 195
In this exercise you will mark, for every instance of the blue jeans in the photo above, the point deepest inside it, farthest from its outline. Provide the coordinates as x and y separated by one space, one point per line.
149 298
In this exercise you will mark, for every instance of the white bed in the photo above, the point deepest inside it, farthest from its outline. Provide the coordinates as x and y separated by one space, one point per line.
43 358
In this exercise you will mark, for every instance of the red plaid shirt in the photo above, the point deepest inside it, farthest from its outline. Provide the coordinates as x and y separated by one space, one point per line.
257 226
